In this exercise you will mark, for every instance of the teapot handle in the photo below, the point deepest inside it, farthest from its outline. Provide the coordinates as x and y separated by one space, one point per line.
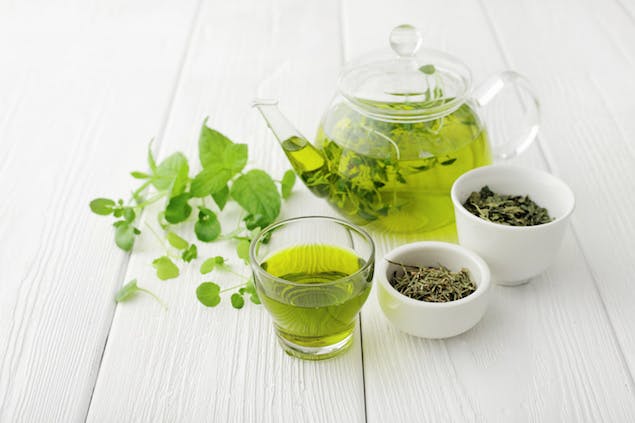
489 89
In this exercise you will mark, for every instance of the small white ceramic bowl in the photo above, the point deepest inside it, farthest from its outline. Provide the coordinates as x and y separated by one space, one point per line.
426 319
514 253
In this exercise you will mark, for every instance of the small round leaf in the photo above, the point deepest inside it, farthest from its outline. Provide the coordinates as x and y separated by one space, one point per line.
166 269
208 293
178 209
176 241
207 227
102 206
124 235
237 300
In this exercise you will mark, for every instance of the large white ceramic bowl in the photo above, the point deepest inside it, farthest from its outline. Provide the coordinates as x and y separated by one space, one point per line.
514 253
426 319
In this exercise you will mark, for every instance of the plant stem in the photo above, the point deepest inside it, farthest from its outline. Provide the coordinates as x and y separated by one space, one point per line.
151 200
156 235
141 188
228 269
231 235
153 295
233 287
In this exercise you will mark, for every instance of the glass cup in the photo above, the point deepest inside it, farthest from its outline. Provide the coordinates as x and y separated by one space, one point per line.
313 274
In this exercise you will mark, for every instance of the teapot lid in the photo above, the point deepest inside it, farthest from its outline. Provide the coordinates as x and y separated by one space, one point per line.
407 84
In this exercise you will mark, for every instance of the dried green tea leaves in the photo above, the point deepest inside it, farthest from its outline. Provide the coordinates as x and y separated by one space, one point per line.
511 210
432 284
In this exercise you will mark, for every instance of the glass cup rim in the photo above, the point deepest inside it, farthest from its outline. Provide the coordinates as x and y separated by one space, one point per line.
258 269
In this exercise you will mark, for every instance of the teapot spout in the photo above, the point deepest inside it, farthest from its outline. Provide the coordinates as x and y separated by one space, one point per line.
277 122
307 161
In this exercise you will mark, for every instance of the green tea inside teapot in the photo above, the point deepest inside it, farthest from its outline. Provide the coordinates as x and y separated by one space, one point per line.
401 129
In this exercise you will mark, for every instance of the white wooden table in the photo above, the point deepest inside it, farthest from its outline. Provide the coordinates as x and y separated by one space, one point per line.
84 86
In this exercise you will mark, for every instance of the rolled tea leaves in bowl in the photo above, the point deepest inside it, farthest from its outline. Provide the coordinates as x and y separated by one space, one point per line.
512 210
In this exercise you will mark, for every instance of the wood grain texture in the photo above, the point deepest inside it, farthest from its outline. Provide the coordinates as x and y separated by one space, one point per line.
588 88
85 86
82 89
534 357
198 364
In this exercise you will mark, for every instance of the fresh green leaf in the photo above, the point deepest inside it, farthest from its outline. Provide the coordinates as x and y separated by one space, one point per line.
235 158
227 160
256 192
237 301
176 241
161 220
220 197
211 263
223 163
178 208
208 293
127 291
124 235
242 250
211 146
102 206
129 214
182 178
210 180
138 197
139 175
190 254
117 210
256 221
428 69
151 162
250 289
207 266
288 180
266 238
207 227
131 289
172 174
254 233
166 269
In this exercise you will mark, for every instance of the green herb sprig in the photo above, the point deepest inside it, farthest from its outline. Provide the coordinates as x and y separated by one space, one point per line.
131 289
511 210
432 284
223 178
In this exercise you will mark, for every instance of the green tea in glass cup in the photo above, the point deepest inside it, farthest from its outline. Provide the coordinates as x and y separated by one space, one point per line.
313 274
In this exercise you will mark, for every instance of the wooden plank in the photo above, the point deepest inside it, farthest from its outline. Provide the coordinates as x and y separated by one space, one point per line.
628 9
192 363
588 89
82 90
545 351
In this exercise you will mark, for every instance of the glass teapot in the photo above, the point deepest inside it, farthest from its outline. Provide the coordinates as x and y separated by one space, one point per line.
400 130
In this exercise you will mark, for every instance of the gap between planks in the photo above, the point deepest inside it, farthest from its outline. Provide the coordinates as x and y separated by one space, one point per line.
549 165
342 44
194 23
630 13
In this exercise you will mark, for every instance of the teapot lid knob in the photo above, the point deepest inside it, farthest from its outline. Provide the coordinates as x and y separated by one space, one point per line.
405 40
